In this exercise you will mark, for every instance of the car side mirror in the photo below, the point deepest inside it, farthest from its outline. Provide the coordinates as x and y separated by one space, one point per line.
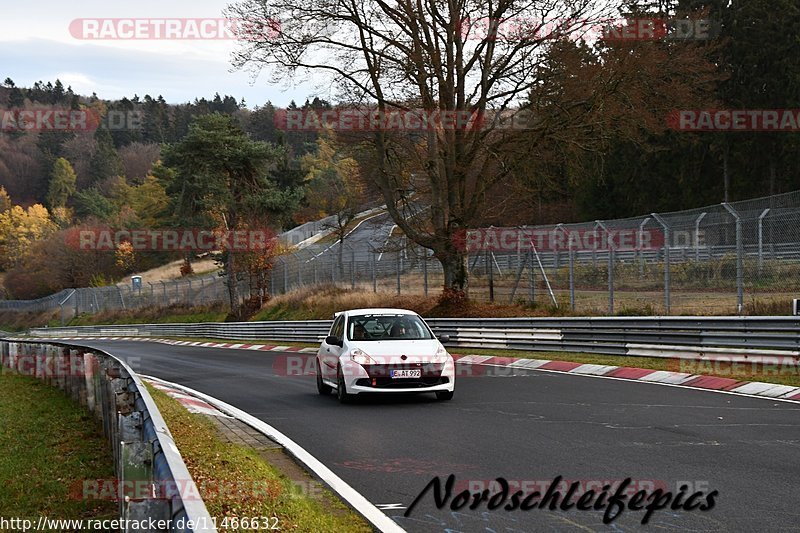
333 340
444 338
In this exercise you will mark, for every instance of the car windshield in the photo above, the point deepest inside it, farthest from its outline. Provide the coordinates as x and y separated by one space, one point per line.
387 327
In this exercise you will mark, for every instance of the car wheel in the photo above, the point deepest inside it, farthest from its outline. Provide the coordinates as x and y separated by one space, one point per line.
322 388
341 389
444 395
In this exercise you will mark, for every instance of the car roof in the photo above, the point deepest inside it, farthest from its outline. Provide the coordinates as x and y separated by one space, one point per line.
376 311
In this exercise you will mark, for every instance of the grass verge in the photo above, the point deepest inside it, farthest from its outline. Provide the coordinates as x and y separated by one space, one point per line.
48 447
260 489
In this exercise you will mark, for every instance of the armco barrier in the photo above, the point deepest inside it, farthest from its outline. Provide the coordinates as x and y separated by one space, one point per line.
146 460
602 335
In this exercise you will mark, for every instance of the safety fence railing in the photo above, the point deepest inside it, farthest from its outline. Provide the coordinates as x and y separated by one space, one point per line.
602 335
739 257
152 481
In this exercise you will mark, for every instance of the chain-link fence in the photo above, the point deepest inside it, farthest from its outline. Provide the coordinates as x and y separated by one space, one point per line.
194 291
742 257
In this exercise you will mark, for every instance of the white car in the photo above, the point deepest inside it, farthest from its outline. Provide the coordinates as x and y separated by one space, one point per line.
386 351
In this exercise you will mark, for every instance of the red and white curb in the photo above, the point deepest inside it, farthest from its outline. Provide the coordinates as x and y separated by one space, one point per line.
756 389
366 508
191 403
172 342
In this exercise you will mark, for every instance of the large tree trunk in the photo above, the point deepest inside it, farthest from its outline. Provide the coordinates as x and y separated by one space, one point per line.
454 266
230 267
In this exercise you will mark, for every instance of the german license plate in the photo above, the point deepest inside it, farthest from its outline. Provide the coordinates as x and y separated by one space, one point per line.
403 374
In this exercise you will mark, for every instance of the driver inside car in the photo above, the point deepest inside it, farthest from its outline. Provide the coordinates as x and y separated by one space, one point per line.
399 331
359 332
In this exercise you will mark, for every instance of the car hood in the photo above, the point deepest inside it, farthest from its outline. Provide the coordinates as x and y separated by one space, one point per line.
391 352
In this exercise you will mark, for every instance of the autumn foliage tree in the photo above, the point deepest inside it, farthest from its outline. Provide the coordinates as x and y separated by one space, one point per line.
62 183
333 188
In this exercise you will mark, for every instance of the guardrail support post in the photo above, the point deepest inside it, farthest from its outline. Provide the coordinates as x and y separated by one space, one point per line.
739 257
664 225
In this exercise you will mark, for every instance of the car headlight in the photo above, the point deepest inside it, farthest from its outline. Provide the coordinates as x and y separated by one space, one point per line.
360 357
441 355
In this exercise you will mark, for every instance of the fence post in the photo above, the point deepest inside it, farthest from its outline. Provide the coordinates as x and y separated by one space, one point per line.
272 282
664 224
571 277
610 267
352 269
531 279
397 267
284 263
697 236
761 240
490 265
640 247
374 273
739 257
425 269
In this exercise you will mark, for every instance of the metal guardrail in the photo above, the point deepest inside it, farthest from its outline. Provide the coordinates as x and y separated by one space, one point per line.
147 462
602 335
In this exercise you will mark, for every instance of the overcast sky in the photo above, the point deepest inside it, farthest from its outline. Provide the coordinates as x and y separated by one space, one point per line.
36 44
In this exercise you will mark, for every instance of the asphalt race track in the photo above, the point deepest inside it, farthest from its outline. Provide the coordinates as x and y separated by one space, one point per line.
528 427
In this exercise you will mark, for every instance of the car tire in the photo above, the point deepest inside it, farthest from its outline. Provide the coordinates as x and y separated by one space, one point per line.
444 395
341 388
322 388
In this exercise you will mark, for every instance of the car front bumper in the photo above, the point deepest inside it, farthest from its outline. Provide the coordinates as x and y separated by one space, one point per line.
376 378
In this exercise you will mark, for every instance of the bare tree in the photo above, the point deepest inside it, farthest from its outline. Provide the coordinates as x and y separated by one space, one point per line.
477 57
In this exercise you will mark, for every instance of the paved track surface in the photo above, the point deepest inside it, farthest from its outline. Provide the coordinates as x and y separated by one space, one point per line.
527 427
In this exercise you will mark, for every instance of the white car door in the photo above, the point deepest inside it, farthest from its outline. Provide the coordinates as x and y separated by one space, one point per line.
329 353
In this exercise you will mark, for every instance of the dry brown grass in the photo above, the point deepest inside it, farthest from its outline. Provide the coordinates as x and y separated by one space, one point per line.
12 321
172 271
321 302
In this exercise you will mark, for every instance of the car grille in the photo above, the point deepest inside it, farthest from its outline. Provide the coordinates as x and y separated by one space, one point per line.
406 383
429 370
